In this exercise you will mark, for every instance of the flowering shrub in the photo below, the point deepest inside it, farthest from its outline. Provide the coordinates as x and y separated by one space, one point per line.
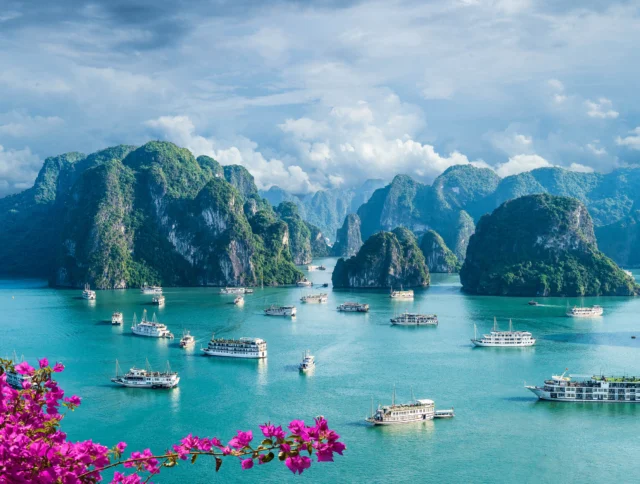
33 448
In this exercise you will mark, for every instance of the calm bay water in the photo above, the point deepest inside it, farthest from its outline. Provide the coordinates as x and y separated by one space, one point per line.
501 433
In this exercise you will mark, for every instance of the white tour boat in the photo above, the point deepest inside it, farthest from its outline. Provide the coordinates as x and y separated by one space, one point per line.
158 300
353 307
585 312
588 388
255 348
88 293
238 301
304 282
504 339
150 289
308 362
312 268
117 318
395 414
315 298
152 328
401 294
414 319
146 378
274 310
187 340
233 290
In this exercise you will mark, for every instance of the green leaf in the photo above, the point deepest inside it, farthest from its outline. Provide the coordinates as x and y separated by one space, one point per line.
269 457
218 463
267 442
282 456
193 458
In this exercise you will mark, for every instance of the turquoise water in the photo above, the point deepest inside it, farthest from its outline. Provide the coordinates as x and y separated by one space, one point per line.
501 433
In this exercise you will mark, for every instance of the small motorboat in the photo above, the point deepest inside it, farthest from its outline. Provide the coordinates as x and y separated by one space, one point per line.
444 413
239 301
326 284
308 362
534 303
187 340
116 319
322 268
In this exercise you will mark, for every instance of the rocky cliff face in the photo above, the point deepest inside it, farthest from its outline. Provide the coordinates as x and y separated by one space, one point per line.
299 233
348 238
437 255
154 215
418 207
540 245
621 240
319 247
387 259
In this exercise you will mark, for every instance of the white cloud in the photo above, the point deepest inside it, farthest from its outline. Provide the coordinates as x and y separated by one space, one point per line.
521 163
556 84
18 170
595 149
632 141
242 151
580 168
355 141
19 125
602 108
511 141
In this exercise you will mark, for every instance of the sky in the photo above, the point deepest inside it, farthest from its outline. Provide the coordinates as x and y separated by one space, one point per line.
324 94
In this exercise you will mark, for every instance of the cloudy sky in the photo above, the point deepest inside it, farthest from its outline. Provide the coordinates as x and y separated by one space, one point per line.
326 93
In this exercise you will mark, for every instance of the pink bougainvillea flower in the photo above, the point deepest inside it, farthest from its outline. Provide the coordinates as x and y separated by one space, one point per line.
58 367
25 368
247 464
43 363
241 440
74 400
298 463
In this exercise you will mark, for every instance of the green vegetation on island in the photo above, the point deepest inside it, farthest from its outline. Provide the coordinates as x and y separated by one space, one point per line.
387 259
540 245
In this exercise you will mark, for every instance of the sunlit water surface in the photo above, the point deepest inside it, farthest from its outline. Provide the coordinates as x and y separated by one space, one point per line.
500 432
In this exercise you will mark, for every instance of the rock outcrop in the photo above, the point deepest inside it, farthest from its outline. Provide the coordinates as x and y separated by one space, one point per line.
299 233
387 259
437 255
125 216
319 247
621 240
540 245
348 238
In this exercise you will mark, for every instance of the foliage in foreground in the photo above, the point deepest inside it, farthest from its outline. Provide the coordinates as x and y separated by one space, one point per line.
33 448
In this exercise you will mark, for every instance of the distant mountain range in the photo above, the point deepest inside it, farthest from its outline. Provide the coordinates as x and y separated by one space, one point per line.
326 209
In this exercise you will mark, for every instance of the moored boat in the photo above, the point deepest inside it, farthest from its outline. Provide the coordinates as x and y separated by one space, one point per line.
117 318
448 413
417 410
152 328
308 362
254 348
304 282
414 319
233 290
274 310
314 298
353 307
146 378
589 388
15 379
88 293
401 294
145 289
322 268
585 312
503 339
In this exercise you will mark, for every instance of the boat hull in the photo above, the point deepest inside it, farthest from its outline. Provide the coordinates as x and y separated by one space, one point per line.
151 386
545 395
148 335
482 344
248 356
400 422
